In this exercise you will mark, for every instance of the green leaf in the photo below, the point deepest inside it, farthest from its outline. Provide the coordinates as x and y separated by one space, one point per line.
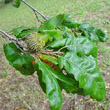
11 52
58 44
50 58
23 63
85 26
69 22
42 84
81 45
101 34
53 90
92 33
69 84
52 23
18 30
64 28
67 34
54 34
44 37
89 31
65 82
23 31
85 71
16 3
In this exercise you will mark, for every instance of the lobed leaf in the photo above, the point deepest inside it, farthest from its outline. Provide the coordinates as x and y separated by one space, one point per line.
92 33
23 31
64 28
68 22
65 82
54 34
85 71
81 45
69 84
58 44
52 23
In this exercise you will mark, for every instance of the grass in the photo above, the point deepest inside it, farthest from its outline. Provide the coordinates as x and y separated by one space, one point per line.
83 11
18 92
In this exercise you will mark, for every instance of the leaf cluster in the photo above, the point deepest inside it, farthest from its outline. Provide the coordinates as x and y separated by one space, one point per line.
75 70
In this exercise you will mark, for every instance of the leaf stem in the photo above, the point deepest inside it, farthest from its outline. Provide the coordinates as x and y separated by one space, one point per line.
51 53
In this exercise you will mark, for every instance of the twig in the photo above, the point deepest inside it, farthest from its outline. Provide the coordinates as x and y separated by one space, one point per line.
34 9
19 47
9 37
15 41
19 39
56 52
37 17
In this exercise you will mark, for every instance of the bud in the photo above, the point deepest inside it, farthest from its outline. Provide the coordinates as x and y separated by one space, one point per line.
34 42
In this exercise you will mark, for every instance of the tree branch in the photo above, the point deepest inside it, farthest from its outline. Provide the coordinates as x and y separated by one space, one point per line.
16 41
21 46
34 9
37 17
9 37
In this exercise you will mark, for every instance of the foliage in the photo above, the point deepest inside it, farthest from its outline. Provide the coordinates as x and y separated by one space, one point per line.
67 61
23 63
16 3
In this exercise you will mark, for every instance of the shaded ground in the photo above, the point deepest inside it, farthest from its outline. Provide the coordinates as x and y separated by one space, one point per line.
18 92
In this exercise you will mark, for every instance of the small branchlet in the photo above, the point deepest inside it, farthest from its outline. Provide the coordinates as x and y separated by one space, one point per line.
21 46
16 41
35 11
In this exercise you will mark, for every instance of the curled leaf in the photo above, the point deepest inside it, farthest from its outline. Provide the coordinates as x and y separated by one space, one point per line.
23 63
